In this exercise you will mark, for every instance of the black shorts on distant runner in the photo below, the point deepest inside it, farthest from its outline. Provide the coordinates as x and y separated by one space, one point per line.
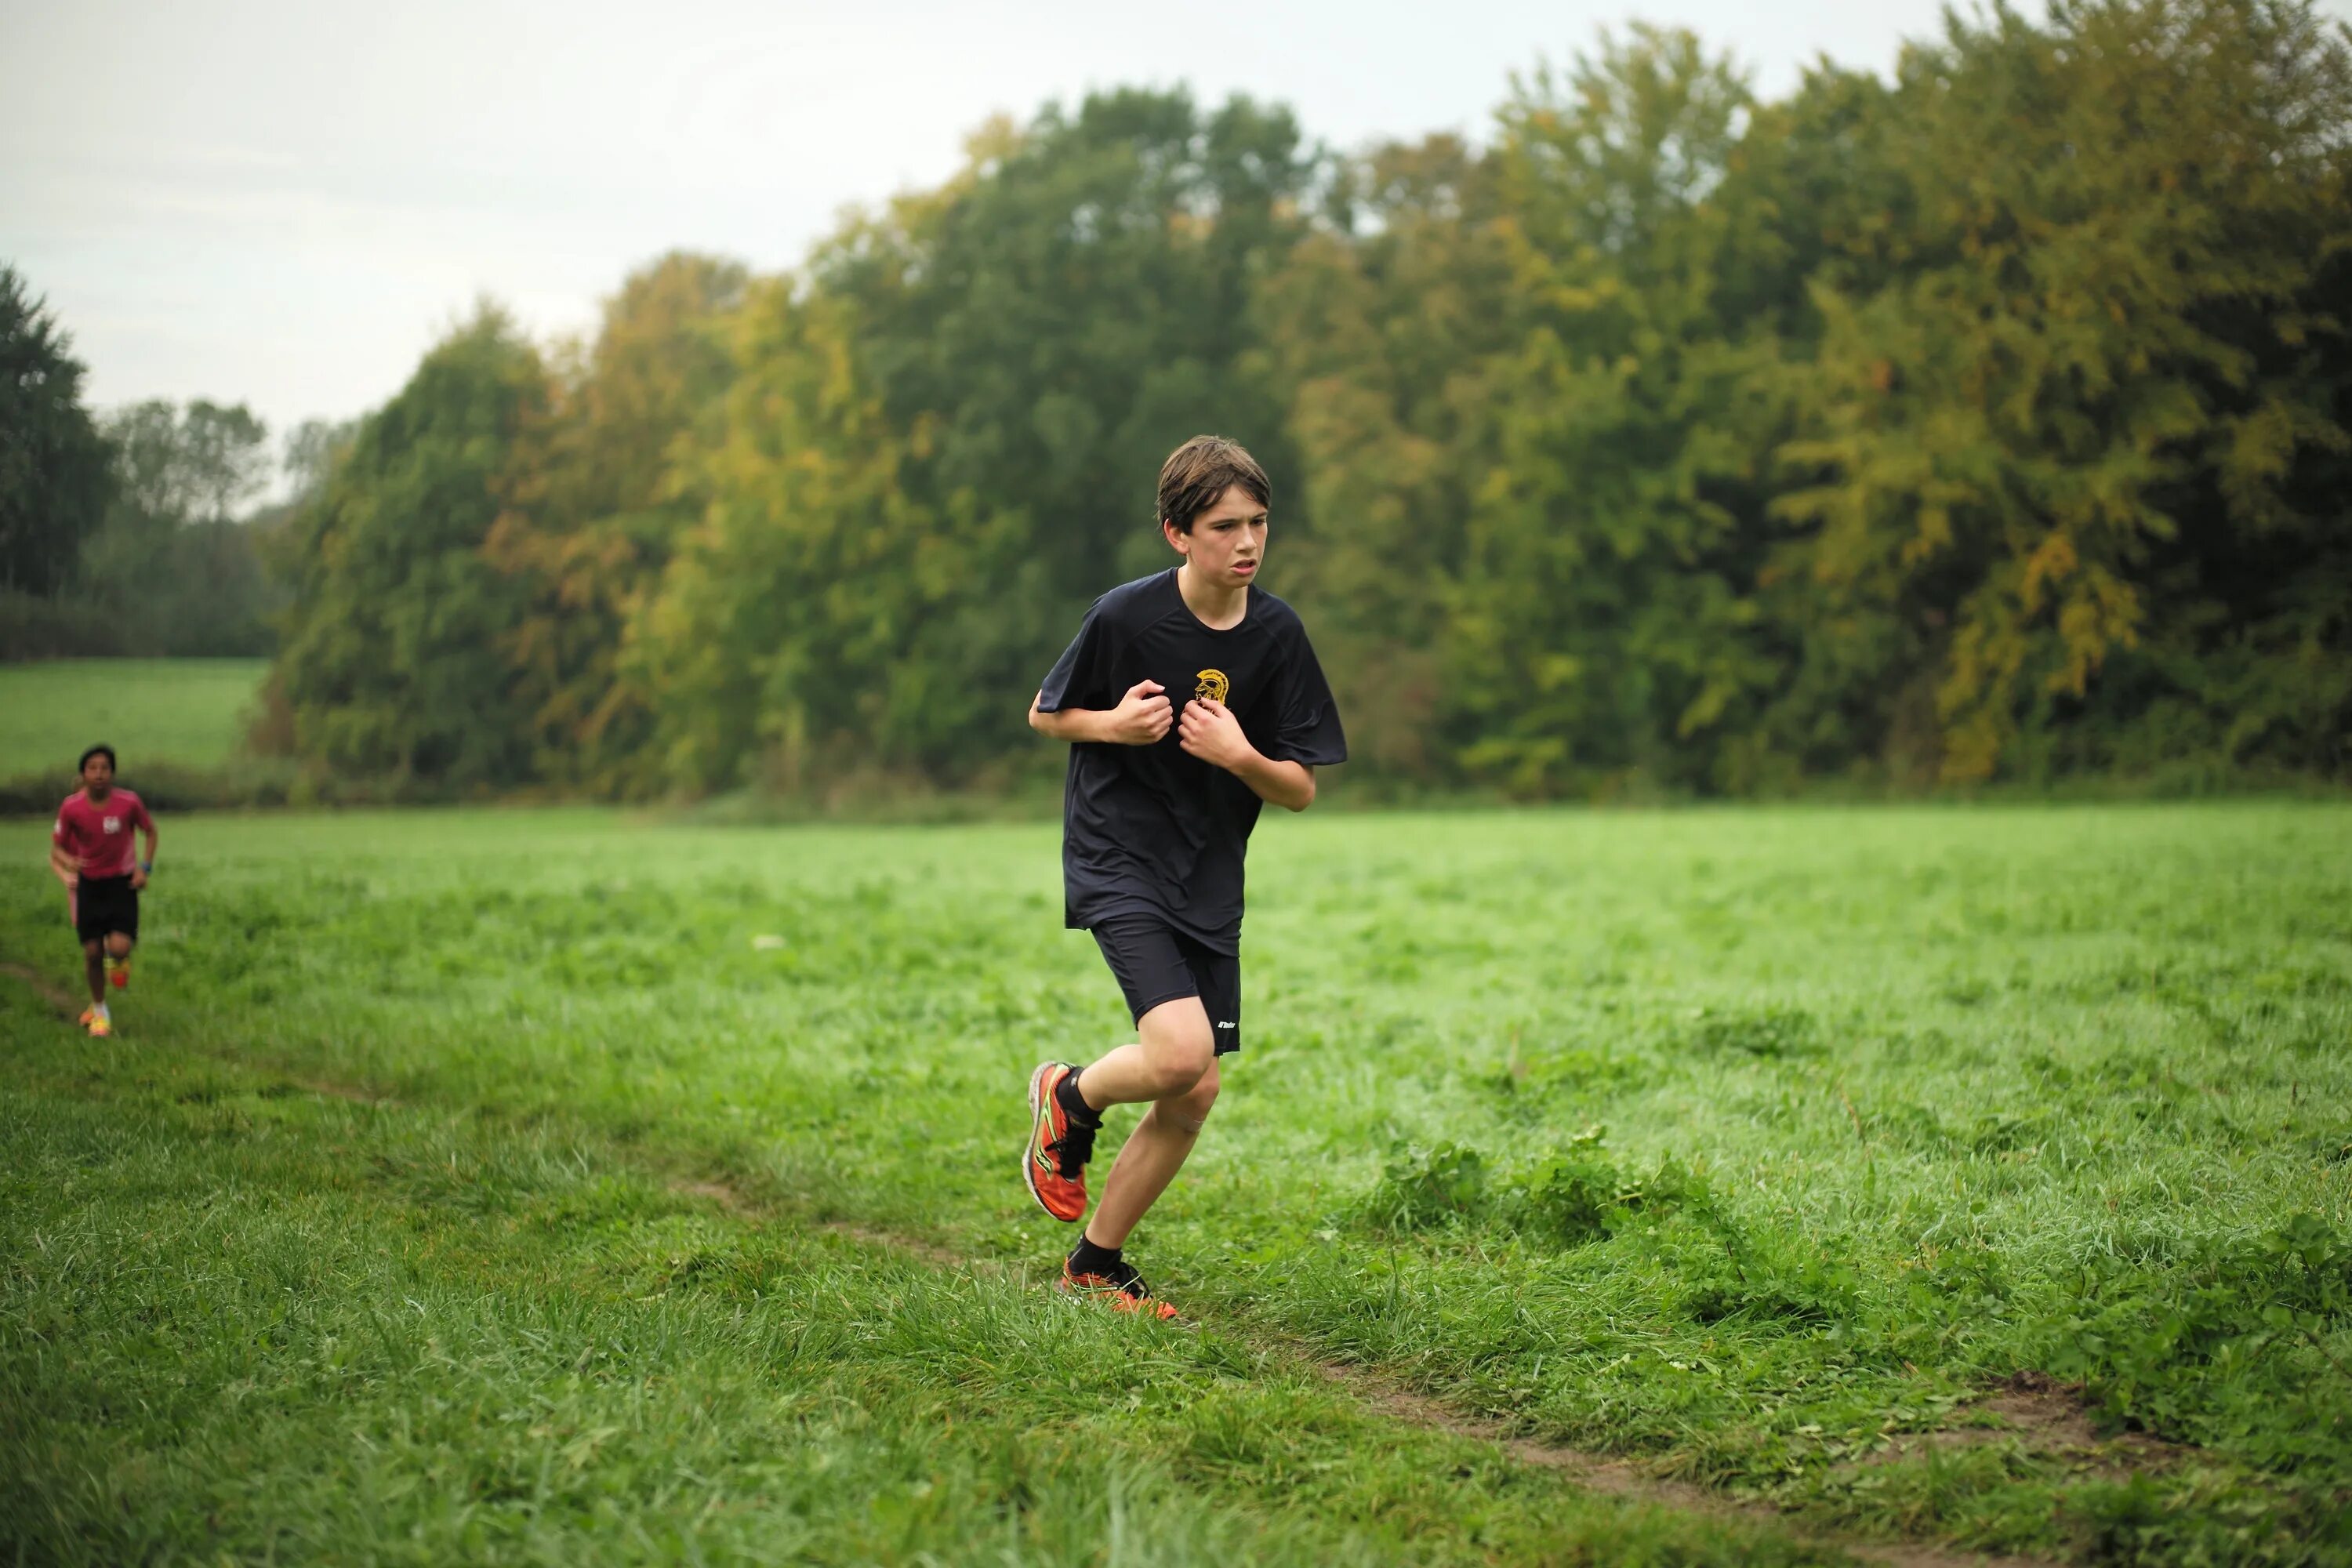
103 906
1156 964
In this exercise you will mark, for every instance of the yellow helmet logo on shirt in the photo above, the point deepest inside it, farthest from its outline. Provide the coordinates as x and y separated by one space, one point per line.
1212 686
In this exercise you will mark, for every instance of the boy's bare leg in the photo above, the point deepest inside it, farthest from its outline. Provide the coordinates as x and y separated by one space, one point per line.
93 967
1150 1157
1173 1050
1174 1065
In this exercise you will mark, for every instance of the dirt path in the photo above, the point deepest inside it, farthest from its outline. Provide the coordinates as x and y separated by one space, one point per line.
2040 1410
1607 1475
60 999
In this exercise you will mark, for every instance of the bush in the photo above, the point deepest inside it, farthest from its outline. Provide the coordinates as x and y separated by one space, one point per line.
2219 1349
34 627
1769 1032
1567 1198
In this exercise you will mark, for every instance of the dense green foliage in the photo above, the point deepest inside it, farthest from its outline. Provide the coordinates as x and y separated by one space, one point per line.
1987 421
392 661
136 534
53 465
177 569
1974 1175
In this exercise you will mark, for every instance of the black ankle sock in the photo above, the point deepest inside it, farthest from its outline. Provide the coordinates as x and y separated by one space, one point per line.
1087 1259
1072 1103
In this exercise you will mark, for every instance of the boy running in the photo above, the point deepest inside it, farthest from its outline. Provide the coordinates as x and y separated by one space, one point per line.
89 850
1188 698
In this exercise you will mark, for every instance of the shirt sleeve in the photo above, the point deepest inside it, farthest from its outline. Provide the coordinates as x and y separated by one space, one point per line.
1306 723
1081 676
138 817
57 834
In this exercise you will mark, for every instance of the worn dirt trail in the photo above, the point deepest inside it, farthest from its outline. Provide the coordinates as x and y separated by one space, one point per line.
1605 1474
2040 1412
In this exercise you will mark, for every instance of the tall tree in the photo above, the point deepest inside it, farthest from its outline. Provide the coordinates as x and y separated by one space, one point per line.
309 452
787 640
53 463
2111 358
203 462
1604 626
1378 335
174 570
595 491
390 664
1043 332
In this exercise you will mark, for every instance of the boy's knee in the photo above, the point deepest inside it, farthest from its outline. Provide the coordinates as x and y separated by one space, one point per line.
1191 1108
1180 1050
118 945
1179 1073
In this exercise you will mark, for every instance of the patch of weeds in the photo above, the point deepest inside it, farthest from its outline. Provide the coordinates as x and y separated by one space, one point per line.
1987 1133
1576 1196
1969 992
1533 1087
2333 1148
1423 1189
1570 1197
1767 1032
1812 1290
2211 1519
1970 1274
1906 1048
1997 1132
2223 1349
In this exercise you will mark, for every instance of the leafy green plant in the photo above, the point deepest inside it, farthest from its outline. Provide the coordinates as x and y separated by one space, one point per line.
1769 1032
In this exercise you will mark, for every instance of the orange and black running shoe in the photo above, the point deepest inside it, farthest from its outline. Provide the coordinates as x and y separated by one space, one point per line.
1054 1162
1119 1288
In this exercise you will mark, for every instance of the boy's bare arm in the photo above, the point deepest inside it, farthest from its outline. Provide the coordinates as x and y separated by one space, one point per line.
1290 785
1211 732
138 872
67 867
1141 717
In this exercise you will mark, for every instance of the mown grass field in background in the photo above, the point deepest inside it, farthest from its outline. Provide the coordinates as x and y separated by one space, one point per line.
188 711
497 1185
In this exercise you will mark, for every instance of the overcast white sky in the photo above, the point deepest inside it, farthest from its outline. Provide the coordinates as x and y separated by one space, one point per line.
281 201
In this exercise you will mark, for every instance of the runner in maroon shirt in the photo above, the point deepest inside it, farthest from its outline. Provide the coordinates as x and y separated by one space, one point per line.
90 851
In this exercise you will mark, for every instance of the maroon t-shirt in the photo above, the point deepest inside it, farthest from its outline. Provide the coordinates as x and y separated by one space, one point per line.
100 834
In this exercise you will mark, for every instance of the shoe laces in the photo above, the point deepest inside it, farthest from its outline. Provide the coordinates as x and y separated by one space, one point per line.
1073 1149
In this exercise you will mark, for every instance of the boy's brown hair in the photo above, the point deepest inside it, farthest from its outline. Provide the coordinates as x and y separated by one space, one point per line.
1197 474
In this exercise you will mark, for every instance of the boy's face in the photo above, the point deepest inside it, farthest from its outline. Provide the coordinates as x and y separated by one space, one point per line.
1227 543
97 776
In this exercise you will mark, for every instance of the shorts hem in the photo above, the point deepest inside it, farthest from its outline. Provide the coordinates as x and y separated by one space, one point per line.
1192 991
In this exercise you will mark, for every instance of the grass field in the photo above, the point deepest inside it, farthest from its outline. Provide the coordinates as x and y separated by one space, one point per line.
1741 1185
190 711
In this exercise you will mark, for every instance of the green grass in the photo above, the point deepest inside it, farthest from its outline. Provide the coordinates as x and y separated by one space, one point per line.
1752 1144
188 711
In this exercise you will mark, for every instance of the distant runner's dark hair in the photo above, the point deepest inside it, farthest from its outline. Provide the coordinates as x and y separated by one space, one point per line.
1197 474
98 751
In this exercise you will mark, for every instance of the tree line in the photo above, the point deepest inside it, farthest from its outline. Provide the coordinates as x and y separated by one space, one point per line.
142 531
1984 421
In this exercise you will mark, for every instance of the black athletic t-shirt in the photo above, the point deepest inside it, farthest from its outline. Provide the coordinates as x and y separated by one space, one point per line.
1153 828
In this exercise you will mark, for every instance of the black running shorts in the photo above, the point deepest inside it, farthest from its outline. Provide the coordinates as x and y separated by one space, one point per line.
1156 964
104 905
